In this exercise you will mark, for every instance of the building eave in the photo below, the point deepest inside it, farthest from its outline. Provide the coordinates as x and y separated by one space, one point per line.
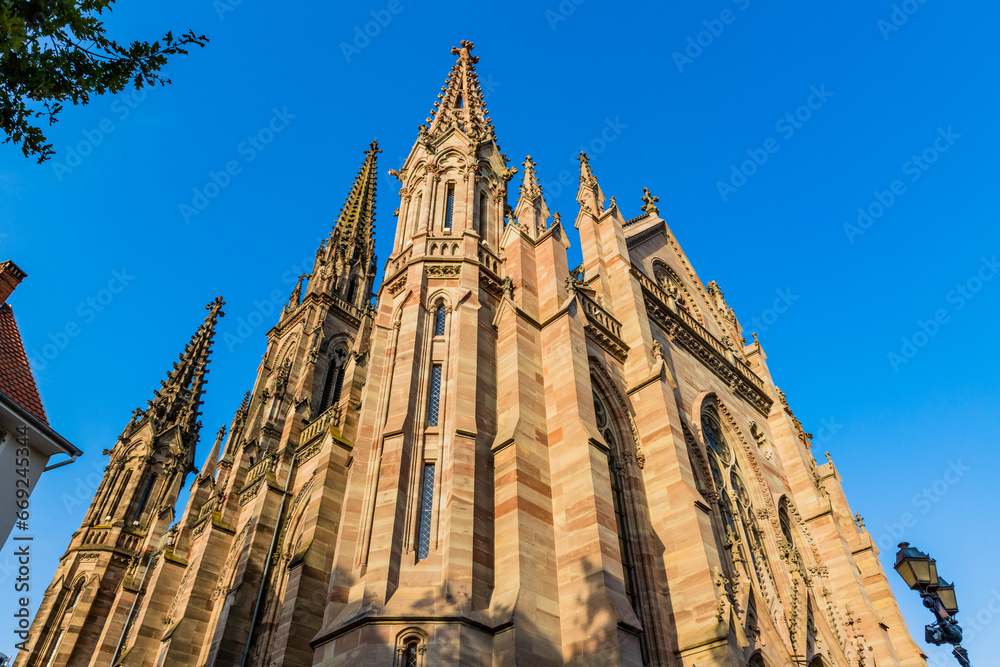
11 409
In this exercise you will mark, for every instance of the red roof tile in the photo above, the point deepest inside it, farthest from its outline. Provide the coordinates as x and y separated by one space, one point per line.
16 379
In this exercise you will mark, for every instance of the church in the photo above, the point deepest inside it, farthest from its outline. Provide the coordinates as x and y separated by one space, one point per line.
491 458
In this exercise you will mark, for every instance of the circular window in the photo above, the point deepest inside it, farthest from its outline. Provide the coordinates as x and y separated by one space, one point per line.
713 433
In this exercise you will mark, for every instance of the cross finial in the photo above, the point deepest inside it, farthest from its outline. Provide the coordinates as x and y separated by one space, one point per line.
649 202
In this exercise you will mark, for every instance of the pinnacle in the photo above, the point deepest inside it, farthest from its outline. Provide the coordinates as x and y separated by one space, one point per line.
530 188
589 194
586 174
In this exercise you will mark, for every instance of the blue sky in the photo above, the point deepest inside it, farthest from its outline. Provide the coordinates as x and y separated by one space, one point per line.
894 117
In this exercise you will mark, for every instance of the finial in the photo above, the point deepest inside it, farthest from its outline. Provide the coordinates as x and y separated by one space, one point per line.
216 306
464 52
586 174
649 202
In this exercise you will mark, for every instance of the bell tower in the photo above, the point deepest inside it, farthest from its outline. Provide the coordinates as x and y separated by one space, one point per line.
86 608
417 511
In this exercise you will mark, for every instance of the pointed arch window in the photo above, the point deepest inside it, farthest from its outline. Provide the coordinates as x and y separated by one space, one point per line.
739 529
410 655
74 598
352 290
449 206
119 494
144 498
440 316
434 401
54 648
334 383
415 212
426 512
785 521
484 211
626 543
411 647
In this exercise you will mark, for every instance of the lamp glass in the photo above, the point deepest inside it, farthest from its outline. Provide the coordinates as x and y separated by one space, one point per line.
906 572
946 593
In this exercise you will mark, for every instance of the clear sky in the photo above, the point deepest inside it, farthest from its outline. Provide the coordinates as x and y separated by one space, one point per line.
892 112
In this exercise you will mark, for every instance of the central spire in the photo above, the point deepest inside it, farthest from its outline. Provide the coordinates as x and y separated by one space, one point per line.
460 103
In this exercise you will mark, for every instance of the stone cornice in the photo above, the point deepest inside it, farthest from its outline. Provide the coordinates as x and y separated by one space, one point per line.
683 328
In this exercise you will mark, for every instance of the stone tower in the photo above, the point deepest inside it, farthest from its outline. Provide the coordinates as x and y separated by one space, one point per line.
505 461
88 609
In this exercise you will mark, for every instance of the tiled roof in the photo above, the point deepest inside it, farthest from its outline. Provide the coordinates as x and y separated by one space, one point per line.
16 380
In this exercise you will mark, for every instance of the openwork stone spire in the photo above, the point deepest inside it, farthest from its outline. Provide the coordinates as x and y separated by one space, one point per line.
178 399
460 103
352 242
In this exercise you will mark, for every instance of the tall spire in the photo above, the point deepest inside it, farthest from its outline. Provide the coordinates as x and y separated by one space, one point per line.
460 103
177 400
352 241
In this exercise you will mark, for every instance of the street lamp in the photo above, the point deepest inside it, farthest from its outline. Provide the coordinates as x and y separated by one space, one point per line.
919 571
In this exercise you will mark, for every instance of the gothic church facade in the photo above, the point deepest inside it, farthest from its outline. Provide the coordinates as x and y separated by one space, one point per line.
505 460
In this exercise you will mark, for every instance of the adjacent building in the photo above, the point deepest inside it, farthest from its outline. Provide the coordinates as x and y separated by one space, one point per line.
505 460
27 441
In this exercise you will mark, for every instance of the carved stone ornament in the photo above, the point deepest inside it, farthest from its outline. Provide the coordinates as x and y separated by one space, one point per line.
450 270
397 287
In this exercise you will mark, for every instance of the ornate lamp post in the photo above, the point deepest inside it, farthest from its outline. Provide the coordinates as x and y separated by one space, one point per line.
919 571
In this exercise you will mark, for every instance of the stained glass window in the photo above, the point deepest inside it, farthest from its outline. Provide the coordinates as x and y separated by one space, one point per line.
439 317
434 404
713 433
449 210
426 509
